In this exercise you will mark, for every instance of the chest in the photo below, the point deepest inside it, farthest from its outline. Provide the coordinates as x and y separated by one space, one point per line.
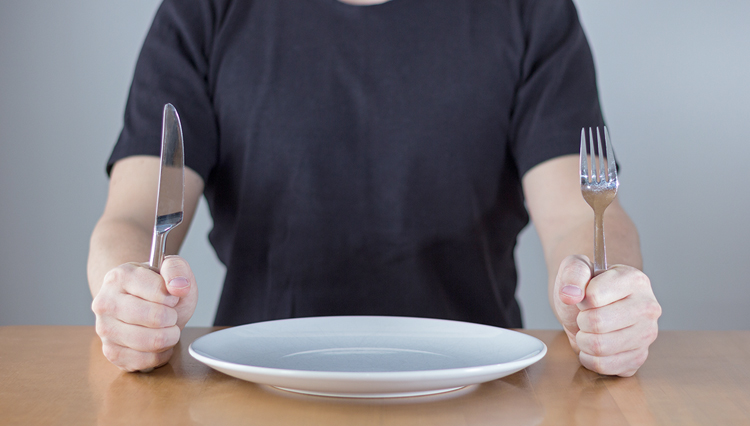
396 100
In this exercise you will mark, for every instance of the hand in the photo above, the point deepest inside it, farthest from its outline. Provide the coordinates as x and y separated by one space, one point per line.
140 313
610 319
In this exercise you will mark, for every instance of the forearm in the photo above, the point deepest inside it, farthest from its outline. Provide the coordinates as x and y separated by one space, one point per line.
123 234
610 319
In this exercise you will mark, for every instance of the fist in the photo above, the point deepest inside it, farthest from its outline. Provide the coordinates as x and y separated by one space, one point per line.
140 313
610 319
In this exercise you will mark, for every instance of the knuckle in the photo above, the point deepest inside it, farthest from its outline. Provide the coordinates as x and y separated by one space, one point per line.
172 318
582 321
653 310
139 270
629 366
638 281
147 285
117 276
100 305
593 297
595 320
642 280
158 342
138 273
160 316
113 276
154 316
103 329
591 362
164 339
112 352
607 366
596 345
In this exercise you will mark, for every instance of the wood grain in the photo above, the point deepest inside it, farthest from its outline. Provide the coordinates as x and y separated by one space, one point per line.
56 375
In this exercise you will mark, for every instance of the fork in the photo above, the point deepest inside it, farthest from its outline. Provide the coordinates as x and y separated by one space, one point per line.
598 187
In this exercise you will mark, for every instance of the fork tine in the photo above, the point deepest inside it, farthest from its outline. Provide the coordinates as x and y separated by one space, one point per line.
584 160
593 173
599 188
600 157
611 166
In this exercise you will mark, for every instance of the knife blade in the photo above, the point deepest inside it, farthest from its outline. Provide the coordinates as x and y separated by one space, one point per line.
171 191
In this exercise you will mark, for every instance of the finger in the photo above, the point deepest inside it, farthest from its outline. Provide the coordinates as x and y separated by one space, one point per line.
613 285
619 315
131 360
572 279
134 310
640 335
142 339
140 281
624 364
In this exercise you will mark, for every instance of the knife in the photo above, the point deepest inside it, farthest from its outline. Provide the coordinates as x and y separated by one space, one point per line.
171 191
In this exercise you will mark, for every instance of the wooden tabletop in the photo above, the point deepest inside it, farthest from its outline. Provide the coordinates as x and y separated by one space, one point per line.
57 375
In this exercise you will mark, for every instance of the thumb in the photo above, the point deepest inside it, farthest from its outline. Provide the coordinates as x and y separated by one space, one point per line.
570 289
572 278
180 282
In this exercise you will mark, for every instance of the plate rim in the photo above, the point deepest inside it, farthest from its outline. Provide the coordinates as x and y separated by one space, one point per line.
374 376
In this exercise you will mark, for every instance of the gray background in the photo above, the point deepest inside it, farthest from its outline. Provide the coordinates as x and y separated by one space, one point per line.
673 76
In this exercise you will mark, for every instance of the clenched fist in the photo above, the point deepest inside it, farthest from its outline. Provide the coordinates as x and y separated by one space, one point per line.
610 319
140 313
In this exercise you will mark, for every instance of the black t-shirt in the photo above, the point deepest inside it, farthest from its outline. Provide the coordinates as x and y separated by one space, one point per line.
365 159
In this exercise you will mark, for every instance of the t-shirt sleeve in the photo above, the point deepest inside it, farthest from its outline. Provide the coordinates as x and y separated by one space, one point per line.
172 68
557 95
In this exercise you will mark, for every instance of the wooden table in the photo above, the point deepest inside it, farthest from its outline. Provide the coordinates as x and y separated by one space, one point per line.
56 375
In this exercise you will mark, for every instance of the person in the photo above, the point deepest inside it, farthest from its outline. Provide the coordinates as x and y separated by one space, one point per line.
367 157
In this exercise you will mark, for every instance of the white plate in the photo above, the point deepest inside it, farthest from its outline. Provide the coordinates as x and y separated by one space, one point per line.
367 357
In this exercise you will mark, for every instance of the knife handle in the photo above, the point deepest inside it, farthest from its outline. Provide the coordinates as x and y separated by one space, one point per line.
158 245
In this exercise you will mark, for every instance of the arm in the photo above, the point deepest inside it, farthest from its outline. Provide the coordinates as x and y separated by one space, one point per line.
610 320
138 315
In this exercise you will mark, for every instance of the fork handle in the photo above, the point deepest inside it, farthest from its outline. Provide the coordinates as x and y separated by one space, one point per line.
600 253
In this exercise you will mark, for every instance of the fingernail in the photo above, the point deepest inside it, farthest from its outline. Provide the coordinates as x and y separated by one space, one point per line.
179 282
571 290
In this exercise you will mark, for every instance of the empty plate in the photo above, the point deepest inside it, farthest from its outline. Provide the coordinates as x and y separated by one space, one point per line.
367 356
